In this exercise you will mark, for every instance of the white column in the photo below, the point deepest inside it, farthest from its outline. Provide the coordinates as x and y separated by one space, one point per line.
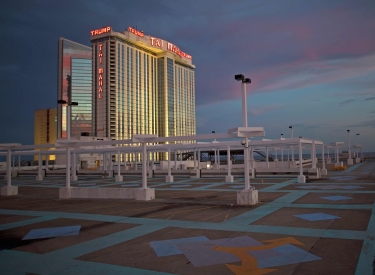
215 156
218 158
291 135
300 159
169 178
268 163
118 163
228 161
324 170
337 154
246 162
47 162
118 177
199 158
244 106
282 154
275 150
350 155
110 162
301 178
19 162
68 119
180 159
135 160
40 176
175 160
144 166
313 155
169 162
195 161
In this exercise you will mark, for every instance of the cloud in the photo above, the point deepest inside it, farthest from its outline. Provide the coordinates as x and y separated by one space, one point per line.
364 124
309 126
264 109
370 98
346 102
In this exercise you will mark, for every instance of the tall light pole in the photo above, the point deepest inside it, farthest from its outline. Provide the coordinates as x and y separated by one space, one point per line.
240 77
282 151
291 136
356 143
68 103
350 155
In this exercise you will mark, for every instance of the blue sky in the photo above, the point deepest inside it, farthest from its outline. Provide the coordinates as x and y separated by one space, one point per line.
312 63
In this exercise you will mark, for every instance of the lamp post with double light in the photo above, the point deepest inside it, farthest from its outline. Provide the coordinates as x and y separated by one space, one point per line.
68 103
244 81
291 136
350 160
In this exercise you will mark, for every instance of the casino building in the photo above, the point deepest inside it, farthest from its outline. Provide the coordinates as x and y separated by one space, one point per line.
141 85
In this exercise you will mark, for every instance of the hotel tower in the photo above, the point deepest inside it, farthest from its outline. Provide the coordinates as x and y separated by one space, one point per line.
141 85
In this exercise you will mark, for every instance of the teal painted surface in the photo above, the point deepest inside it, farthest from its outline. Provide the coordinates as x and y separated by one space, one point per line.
27 222
355 166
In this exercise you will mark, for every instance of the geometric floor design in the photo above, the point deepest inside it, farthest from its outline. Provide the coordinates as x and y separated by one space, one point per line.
44 233
230 250
242 244
169 247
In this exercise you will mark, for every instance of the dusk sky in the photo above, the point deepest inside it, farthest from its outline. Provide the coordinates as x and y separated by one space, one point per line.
311 62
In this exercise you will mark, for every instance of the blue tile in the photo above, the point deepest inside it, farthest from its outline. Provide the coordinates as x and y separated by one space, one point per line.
337 198
316 217
169 247
201 253
44 233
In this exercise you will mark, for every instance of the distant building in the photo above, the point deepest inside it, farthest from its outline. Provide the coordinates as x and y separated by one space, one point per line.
141 85
45 128
74 60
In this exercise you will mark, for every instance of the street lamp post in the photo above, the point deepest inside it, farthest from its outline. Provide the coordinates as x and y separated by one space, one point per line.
68 103
291 136
350 160
356 142
240 77
356 145
282 150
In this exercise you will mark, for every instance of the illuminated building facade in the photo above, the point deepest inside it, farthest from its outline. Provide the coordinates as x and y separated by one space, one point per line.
141 85
45 128
75 60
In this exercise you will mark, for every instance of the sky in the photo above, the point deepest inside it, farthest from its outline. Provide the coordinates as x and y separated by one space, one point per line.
311 63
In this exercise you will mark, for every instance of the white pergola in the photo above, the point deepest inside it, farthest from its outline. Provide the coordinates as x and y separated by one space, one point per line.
145 144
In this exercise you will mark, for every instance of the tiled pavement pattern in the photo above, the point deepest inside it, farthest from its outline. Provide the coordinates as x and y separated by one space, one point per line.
325 226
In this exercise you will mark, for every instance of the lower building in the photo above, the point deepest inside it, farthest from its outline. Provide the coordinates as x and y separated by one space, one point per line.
45 129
